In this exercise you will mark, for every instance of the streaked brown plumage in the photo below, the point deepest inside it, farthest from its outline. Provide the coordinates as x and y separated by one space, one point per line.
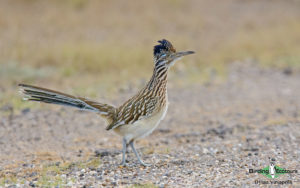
139 115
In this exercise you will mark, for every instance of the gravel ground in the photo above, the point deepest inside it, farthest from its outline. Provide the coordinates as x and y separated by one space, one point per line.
212 135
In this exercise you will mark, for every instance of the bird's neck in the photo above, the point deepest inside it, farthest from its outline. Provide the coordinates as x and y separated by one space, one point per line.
159 78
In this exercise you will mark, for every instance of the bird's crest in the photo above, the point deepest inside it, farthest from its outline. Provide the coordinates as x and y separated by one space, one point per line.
163 47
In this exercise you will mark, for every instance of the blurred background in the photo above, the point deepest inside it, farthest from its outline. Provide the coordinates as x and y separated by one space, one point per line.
99 48
234 104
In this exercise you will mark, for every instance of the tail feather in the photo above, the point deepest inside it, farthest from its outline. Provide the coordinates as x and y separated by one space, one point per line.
34 93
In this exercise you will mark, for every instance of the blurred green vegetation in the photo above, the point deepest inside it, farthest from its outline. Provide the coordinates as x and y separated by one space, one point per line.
95 48
272 46
51 174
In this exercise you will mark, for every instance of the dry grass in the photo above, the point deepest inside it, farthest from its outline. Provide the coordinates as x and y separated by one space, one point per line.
70 45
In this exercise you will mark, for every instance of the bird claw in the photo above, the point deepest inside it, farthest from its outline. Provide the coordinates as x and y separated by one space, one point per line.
145 164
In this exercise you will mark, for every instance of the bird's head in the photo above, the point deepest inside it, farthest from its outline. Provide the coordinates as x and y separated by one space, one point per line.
165 53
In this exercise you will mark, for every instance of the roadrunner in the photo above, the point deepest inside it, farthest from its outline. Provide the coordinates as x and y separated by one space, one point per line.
139 115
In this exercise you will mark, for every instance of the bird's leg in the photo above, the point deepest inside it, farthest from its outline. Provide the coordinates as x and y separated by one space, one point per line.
123 163
131 143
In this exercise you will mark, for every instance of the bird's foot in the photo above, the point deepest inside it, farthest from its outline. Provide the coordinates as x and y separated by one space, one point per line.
123 164
145 164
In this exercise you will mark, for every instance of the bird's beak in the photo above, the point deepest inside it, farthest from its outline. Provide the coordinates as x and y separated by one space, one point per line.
181 54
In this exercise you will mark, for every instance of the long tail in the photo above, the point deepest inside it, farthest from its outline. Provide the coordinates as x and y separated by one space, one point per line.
34 93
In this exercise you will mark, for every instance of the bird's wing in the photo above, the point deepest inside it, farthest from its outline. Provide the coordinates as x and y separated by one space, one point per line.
133 110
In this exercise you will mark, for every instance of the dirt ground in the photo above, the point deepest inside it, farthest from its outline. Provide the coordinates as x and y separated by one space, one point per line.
212 135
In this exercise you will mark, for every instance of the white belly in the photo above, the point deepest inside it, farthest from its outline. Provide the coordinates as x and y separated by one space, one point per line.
142 127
